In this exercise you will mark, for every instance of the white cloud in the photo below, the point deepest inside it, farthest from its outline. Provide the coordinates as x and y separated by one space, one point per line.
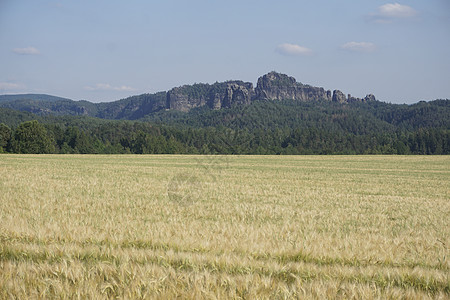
396 10
292 50
390 11
26 51
7 86
108 87
359 46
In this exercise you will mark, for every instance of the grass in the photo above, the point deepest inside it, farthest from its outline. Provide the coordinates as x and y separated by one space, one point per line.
81 226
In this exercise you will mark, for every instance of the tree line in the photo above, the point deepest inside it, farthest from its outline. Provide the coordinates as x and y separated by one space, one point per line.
134 137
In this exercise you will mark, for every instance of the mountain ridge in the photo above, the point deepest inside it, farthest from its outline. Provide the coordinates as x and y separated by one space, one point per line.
271 86
233 104
279 116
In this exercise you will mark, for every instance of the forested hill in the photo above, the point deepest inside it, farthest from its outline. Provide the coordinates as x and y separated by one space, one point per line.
272 86
263 127
279 116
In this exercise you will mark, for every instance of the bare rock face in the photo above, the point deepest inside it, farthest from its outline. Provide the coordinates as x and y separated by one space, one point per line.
186 97
276 86
369 97
216 96
216 100
237 94
351 99
339 96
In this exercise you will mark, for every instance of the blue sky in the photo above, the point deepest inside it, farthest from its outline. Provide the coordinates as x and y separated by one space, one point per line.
108 50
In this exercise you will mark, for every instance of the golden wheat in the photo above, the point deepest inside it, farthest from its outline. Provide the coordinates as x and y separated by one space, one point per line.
166 226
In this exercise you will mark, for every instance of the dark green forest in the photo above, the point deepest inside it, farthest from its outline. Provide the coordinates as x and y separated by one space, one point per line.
263 127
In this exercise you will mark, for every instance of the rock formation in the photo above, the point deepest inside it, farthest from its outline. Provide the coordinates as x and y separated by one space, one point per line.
237 93
339 96
369 97
276 86
216 96
185 98
272 86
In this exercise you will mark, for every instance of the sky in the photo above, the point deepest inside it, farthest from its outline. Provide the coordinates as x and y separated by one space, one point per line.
108 50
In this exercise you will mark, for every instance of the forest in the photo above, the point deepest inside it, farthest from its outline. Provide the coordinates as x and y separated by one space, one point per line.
263 127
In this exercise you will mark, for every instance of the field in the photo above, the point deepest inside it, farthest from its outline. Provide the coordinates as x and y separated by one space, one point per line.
74 226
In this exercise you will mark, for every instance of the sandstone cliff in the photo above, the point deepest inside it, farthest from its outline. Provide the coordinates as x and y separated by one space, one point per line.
216 96
276 86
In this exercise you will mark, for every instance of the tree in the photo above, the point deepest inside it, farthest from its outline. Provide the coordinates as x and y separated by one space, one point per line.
5 137
32 137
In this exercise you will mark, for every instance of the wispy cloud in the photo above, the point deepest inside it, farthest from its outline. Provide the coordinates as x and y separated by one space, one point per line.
359 46
388 12
26 51
293 50
108 87
8 86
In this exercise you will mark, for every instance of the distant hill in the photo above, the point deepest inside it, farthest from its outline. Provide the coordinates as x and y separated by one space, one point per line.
34 97
47 105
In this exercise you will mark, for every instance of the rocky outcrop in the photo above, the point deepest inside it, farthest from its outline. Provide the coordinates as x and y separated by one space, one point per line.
369 97
339 97
276 86
237 93
185 98
81 111
216 96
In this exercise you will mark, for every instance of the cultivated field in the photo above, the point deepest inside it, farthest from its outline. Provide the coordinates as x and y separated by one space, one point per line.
74 226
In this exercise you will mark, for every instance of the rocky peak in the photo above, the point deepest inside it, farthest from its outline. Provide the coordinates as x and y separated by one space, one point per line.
237 93
274 79
369 97
269 85
339 96
276 86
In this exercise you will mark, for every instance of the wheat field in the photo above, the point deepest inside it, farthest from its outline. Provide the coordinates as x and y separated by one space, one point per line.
224 227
